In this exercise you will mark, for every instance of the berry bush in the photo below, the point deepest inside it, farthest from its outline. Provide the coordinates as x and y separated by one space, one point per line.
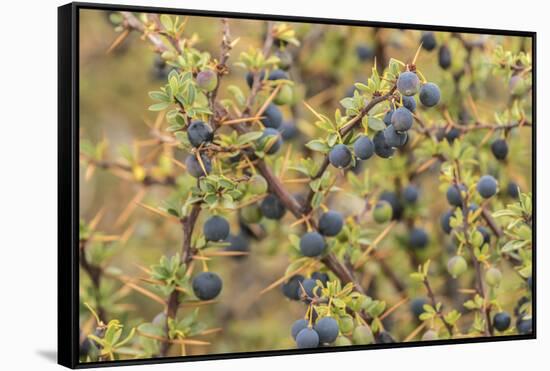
299 186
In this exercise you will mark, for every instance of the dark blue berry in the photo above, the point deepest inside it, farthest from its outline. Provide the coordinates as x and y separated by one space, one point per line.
312 244
444 57
501 321
194 168
500 149
512 189
384 337
327 329
452 134
485 233
290 287
308 287
402 119
277 75
417 306
408 83
207 285
388 116
216 228
487 186
429 94
518 310
289 130
320 276
307 338
340 156
409 103
381 148
271 145
454 194
428 41
84 347
298 326
418 238
446 221
395 202
237 243
364 52
331 223
525 326
410 194
395 138
272 207
273 75
272 117
363 147
199 133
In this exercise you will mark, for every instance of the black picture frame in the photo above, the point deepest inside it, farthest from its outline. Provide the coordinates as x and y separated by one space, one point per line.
68 180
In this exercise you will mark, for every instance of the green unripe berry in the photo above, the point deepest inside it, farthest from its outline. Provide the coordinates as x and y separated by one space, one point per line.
493 276
430 335
159 320
342 341
456 266
251 213
362 335
207 80
257 185
382 212
346 324
518 85
284 96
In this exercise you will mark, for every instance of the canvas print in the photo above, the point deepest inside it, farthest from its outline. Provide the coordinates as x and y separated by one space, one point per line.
254 185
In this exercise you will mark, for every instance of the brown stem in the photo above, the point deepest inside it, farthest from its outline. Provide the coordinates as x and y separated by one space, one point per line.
135 24
431 295
492 223
390 273
94 272
380 50
162 31
344 274
278 188
188 224
477 266
221 68
256 83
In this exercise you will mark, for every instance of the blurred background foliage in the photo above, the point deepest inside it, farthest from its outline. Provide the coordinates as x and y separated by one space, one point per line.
113 107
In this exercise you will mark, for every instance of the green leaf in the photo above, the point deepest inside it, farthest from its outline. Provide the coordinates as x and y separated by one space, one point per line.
249 137
166 21
159 95
174 85
426 316
317 200
318 145
150 329
375 123
159 106
417 276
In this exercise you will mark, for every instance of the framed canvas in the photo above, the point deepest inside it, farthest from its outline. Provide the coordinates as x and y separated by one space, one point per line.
243 185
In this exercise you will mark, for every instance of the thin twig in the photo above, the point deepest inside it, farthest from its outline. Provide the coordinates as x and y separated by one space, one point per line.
188 224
